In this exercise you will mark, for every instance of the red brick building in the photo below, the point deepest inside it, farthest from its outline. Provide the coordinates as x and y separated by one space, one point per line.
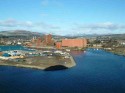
38 42
58 45
48 40
74 43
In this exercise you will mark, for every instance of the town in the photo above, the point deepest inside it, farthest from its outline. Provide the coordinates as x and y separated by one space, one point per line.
45 51
41 52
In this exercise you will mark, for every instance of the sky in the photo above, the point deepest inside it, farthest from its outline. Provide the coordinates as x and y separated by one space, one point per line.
63 17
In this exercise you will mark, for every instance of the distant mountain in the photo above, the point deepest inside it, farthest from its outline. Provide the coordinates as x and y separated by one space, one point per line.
29 34
82 36
20 33
113 36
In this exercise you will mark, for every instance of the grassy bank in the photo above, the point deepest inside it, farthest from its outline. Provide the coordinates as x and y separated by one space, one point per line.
118 51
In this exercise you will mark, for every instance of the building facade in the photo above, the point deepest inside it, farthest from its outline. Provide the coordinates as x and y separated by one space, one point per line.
80 43
58 45
48 40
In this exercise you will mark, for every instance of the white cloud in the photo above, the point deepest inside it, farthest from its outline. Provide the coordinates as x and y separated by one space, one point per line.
8 23
107 25
45 2
15 23
44 14
99 28
27 24
51 3
12 24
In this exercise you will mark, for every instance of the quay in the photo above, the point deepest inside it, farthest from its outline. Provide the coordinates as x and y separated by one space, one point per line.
38 60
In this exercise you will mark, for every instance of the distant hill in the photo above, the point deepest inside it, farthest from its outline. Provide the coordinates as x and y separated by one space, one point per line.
29 34
116 36
24 34
19 33
113 36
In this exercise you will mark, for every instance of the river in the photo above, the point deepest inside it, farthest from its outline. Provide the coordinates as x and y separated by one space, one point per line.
96 71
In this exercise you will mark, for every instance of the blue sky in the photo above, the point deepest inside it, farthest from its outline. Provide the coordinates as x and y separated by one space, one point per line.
63 16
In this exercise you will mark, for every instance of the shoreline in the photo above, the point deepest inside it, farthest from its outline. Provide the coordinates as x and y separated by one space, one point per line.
41 66
23 66
115 52
73 61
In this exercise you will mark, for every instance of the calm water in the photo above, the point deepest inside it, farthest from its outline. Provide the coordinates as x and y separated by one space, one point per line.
97 71
16 47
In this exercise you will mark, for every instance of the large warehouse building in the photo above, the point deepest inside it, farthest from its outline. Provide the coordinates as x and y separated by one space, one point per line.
74 43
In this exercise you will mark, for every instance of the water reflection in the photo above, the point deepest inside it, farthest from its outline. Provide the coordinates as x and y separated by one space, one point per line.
75 53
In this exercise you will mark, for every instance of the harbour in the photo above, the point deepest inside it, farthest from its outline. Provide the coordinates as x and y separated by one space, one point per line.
97 71
62 46
36 59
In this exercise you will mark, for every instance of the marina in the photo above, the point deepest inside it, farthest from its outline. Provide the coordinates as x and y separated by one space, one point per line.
37 59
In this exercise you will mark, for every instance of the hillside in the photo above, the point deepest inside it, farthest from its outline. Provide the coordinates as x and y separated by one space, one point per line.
19 33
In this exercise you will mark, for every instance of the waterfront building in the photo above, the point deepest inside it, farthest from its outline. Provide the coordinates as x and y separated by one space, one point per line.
58 45
80 43
38 42
41 41
48 40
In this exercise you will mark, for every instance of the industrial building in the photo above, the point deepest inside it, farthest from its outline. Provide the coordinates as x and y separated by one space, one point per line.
48 40
58 45
74 43
79 43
